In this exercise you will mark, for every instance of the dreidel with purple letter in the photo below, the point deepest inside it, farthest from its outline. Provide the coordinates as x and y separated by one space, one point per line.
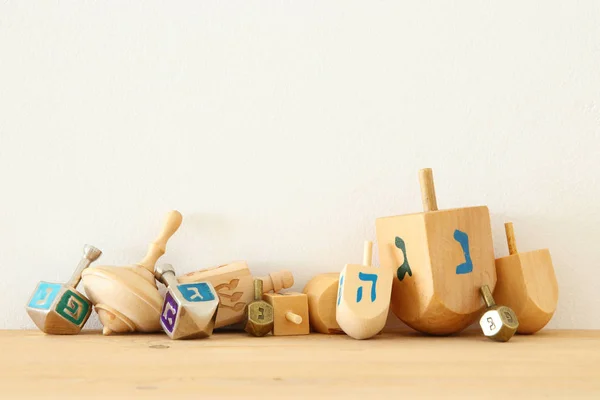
190 309
527 284
59 309
364 297
441 259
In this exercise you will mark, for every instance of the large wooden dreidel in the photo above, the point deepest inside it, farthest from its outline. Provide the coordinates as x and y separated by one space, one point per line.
290 313
60 309
527 284
441 258
127 298
235 286
364 297
322 291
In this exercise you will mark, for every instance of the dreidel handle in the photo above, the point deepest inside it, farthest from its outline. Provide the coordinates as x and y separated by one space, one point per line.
368 253
293 318
510 238
258 289
90 254
487 296
158 247
165 274
427 190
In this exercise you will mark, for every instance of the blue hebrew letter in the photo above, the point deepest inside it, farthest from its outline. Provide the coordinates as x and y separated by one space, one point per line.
367 277
340 289
463 239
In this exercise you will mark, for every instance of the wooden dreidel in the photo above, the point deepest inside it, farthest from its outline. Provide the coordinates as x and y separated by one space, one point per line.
441 259
322 291
126 298
499 323
527 284
364 297
234 285
259 315
190 309
60 309
290 313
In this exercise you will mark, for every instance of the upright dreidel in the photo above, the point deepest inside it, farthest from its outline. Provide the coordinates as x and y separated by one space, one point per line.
259 313
364 297
60 309
527 284
499 323
190 309
441 259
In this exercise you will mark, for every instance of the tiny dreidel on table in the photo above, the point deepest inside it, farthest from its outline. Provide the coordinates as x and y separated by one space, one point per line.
527 284
322 292
127 298
259 313
441 259
499 323
190 309
234 285
364 297
59 309
290 313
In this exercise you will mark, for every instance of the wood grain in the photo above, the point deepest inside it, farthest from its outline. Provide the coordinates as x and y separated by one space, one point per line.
551 364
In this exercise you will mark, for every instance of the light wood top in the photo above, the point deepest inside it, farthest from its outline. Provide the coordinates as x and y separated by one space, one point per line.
401 365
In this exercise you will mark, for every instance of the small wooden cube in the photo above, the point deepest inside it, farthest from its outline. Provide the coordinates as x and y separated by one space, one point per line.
290 313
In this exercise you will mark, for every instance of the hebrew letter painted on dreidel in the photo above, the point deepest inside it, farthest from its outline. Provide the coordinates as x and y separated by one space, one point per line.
441 259
60 309
190 309
364 297
527 284
499 323
259 313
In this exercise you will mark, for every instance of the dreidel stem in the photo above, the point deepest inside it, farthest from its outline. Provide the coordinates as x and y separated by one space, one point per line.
90 254
368 253
293 318
258 289
427 190
487 296
165 274
510 238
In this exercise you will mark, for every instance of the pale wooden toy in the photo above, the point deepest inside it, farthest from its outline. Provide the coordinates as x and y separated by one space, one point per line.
364 297
442 259
322 291
290 313
127 298
235 286
527 284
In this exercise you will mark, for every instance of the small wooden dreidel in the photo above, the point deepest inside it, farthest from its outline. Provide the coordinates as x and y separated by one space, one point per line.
259 313
290 313
190 309
441 259
127 298
364 297
234 285
322 291
499 323
527 284
60 309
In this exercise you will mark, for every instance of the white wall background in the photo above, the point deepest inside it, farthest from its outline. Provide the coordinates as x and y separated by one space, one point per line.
281 130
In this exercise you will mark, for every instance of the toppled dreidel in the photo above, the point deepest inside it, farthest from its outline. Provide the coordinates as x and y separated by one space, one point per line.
60 309
290 313
499 323
527 284
259 314
322 291
364 297
190 309
441 259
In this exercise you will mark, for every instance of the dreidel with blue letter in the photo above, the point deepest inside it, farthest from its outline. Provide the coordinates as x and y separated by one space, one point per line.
441 259
364 297
190 309
59 309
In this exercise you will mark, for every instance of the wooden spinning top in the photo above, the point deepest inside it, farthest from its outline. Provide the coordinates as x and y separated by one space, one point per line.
127 298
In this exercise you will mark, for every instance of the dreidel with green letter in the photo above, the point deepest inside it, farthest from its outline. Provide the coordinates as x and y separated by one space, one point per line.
441 258
59 309
364 297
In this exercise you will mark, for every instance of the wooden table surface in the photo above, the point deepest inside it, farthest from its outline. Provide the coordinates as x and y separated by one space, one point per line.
399 365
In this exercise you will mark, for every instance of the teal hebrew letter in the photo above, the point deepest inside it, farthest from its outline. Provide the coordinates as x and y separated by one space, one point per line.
463 239
369 278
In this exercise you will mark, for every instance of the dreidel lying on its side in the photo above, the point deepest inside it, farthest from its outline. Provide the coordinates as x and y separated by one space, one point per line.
190 309
527 284
60 309
499 323
364 297
441 258
322 291
259 314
